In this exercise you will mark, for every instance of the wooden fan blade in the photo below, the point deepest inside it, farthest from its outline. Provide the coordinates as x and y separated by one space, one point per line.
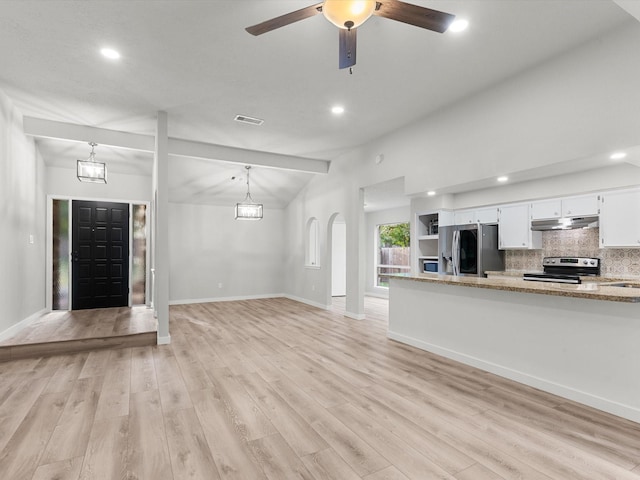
414 15
347 41
286 19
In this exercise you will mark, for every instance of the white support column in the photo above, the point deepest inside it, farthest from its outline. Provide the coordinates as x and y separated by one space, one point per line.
161 223
356 258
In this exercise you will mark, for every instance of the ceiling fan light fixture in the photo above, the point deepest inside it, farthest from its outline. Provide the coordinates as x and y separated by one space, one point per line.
348 13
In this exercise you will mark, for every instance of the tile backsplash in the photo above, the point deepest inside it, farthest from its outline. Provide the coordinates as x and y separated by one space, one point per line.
616 262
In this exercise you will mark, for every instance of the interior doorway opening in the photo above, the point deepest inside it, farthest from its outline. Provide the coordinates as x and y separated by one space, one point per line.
338 255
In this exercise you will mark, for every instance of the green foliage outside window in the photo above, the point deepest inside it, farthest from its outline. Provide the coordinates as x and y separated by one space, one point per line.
396 235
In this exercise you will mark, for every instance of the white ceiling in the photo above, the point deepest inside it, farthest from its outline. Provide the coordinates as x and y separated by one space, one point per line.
194 60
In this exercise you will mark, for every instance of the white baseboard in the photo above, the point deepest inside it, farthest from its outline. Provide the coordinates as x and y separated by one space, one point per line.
188 301
355 316
585 398
164 340
377 294
304 300
14 329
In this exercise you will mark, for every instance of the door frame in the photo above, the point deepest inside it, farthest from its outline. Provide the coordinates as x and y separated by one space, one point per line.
49 244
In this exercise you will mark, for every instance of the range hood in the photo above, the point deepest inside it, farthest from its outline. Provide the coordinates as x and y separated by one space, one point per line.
571 223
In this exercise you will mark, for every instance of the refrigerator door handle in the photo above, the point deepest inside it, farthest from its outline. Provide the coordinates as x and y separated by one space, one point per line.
455 252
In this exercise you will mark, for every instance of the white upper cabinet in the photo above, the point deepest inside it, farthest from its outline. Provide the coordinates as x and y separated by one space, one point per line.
620 218
487 215
546 209
514 228
580 206
445 218
463 217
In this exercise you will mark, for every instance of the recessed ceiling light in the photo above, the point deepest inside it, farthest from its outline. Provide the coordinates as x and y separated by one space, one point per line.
503 178
458 25
431 193
110 53
618 156
337 110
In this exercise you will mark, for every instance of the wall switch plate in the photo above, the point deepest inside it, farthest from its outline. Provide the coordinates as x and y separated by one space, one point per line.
31 239
220 285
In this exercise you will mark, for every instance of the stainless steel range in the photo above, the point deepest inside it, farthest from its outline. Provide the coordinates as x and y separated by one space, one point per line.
565 269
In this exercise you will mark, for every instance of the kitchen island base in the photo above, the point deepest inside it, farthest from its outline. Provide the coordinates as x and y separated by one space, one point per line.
581 349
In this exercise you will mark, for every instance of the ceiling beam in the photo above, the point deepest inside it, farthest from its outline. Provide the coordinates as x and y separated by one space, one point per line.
38 127
187 148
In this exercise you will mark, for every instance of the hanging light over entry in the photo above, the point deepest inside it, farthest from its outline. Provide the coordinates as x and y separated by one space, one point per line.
248 209
90 170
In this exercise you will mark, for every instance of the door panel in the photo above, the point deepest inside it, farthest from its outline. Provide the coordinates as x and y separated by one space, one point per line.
468 251
100 249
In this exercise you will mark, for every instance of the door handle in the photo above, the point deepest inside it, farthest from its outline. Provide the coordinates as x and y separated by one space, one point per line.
74 256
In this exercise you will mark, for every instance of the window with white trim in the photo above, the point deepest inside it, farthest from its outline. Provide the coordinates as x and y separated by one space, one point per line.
393 251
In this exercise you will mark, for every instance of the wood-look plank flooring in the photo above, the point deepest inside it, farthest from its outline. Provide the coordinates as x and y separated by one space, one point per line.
274 389
61 332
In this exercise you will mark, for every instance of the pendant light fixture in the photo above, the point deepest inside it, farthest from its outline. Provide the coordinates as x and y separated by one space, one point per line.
90 170
248 209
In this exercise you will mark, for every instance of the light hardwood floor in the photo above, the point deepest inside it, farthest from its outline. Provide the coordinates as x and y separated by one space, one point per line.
274 389
60 332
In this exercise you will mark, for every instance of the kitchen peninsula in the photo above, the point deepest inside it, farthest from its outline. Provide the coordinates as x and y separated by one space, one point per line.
581 342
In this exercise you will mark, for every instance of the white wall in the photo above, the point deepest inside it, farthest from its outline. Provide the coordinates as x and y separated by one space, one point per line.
576 105
616 176
372 220
208 247
324 196
22 213
121 187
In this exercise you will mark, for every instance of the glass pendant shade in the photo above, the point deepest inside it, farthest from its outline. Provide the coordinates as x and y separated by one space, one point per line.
348 13
94 172
90 170
248 209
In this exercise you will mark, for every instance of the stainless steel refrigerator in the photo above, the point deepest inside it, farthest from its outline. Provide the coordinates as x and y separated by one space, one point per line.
470 249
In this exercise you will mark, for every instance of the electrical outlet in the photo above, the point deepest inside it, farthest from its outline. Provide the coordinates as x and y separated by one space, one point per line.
313 288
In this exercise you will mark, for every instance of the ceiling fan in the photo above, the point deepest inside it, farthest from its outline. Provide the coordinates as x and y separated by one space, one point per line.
347 15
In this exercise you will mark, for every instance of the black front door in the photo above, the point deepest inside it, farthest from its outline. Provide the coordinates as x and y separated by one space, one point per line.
100 246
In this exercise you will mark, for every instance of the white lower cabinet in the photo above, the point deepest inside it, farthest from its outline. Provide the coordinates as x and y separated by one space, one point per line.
620 219
514 228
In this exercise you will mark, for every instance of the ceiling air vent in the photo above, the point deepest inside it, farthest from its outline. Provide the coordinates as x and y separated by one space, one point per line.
249 120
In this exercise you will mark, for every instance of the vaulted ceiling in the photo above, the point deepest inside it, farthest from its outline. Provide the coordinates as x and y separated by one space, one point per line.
194 60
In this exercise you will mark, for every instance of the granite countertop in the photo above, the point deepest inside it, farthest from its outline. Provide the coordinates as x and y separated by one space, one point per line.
591 289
